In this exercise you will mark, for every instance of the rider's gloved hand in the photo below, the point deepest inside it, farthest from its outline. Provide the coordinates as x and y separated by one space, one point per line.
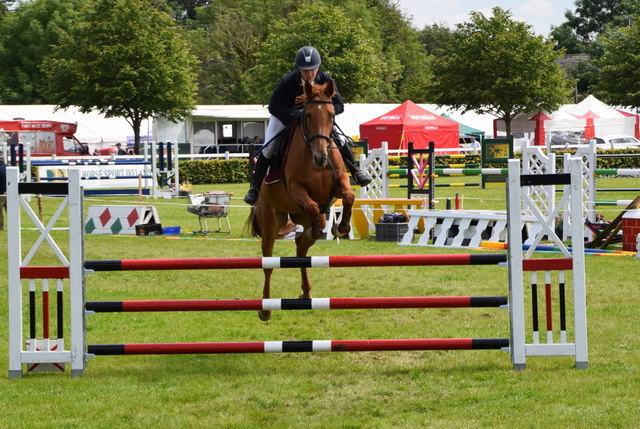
296 113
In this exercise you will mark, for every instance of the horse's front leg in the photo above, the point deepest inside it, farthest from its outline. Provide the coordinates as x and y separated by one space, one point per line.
265 315
347 196
303 243
270 224
310 208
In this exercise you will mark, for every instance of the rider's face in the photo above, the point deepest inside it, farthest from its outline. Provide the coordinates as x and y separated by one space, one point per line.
309 75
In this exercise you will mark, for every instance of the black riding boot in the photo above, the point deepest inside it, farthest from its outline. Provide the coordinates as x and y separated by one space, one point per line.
362 177
260 170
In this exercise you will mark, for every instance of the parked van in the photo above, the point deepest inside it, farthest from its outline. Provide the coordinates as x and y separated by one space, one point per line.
44 138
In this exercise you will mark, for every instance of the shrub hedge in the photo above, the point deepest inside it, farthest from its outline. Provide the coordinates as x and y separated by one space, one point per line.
612 162
214 171
236 170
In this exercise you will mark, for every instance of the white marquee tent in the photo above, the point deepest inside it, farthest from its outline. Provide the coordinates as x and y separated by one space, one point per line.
589 118
200 128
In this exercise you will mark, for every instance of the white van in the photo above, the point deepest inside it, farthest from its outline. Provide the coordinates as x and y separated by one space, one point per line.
615 142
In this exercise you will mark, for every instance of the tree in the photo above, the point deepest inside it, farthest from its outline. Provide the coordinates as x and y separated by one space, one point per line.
406 64
566 39
229 37
593 16
584 74
499 66
436 39
584 28
577 61
26 36
124 58
184 10
619 67
5 5
226 36
348 53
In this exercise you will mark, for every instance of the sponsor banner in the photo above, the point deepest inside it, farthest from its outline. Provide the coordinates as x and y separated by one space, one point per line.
99 176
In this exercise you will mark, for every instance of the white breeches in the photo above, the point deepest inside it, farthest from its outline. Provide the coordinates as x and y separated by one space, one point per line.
274 127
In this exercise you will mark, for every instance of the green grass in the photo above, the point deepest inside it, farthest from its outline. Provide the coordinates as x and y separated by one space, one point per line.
439 389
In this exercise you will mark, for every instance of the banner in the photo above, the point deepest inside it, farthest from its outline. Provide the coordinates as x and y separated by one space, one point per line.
100 176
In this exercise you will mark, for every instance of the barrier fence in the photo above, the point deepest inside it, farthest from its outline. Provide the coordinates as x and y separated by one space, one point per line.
291 262
147 173
535 161
297 304
50 352
299 346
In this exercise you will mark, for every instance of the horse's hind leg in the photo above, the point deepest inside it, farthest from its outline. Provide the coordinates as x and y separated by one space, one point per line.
311 210
303 243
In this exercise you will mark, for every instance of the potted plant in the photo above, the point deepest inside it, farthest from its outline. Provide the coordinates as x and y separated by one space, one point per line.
185 189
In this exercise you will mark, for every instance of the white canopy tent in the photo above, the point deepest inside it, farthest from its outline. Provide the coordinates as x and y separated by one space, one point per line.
202 127
589 118
208 125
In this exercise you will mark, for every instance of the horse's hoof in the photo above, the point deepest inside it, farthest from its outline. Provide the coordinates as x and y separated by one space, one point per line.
341 231
264 315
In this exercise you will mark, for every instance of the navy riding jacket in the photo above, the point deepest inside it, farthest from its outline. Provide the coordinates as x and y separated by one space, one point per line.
283 100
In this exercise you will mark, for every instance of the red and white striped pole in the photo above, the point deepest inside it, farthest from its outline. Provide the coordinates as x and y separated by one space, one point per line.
300 346
297 304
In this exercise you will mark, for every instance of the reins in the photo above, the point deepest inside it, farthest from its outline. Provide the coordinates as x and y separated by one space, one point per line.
308 139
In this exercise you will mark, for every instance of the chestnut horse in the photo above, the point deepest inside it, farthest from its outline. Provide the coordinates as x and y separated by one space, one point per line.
314 176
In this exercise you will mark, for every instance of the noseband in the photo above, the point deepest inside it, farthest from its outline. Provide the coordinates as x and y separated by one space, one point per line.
308 139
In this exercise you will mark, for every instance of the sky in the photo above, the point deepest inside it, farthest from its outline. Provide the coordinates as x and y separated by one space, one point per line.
540 14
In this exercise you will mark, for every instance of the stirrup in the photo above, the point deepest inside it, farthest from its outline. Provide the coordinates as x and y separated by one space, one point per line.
362 177
252 196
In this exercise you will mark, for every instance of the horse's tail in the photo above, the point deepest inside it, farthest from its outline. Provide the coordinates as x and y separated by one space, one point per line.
252 224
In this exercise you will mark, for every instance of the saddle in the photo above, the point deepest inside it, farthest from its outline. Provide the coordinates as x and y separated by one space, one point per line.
276 167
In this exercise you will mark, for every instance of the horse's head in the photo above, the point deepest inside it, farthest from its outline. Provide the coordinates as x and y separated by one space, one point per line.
317 119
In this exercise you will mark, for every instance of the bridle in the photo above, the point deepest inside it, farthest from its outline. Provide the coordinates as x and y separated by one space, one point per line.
308 139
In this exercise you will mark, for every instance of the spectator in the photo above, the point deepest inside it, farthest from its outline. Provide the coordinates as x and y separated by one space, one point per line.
253 146
246 144
475 145
120 150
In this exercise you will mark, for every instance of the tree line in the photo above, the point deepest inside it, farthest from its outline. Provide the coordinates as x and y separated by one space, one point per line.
136 58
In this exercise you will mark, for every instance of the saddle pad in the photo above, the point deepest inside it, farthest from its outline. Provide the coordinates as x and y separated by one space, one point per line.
282 152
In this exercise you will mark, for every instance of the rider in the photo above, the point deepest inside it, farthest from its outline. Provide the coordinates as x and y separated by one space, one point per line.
284 111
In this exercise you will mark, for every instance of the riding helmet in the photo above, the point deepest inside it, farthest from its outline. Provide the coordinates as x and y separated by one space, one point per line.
308 58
